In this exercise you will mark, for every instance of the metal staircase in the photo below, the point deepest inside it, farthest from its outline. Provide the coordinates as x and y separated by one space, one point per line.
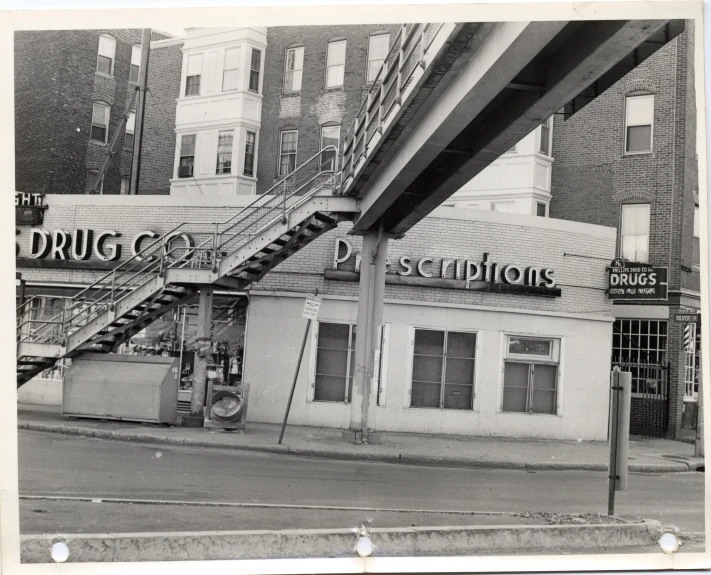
234 254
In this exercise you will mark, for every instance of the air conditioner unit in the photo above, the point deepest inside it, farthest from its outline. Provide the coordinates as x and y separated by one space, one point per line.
185 171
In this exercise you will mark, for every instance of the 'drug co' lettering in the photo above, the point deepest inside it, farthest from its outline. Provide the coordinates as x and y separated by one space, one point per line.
82 244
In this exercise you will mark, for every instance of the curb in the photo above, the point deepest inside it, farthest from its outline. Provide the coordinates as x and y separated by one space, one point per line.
404 459
325 543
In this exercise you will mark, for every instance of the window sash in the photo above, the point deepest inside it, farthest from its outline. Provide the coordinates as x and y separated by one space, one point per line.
335 364
254 70
125 185
288 143
249 150
639 123
634 244
230 76
224 152
330 136
187 154
335 63
441 376
192 86
294 69
106 55
99 122
639 341
544 147
530 387
377 51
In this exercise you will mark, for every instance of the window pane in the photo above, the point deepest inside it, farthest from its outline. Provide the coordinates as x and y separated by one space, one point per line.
334 76
425 394
131 122
133 76
639 138
426 368
194 65
329 388
460 371
336 53
523 346
515 386
230 80
128 141
458 396
98 133
288 142
629 248
333 335
429 342
187 145
640 110
541 210
641 249
103 65
697 232
460 344
331 361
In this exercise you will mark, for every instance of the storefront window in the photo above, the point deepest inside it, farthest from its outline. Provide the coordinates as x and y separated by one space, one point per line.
335 362
640 346
531 375
443 369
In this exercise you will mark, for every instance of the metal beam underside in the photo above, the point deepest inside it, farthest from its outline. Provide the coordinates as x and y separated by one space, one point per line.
484 111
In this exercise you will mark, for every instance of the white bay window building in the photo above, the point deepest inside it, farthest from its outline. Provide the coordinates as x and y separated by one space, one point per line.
218 113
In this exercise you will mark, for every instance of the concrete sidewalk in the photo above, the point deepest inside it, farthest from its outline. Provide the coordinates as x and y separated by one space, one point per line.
647 456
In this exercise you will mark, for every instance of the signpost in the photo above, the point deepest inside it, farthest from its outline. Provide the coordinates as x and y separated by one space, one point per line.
631 280
311 307
621 387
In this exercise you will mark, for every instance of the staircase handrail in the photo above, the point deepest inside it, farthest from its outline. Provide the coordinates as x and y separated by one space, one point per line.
153 257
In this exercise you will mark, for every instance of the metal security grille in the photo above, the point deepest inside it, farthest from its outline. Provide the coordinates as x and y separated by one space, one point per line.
639 347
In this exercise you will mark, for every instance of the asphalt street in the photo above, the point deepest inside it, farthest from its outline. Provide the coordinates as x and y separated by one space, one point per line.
58 465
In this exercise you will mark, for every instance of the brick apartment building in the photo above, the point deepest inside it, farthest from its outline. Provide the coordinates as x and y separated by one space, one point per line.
628 160
253 104
71 90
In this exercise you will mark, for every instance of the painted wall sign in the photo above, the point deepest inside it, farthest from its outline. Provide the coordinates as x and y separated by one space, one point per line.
461 269
631 280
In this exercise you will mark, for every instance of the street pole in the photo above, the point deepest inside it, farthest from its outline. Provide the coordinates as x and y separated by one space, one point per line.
614 422
140 111
204 349
699 443
296 376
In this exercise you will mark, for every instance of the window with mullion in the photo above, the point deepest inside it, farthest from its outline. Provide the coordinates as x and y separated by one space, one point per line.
443 369
335 63
530 375
254 70
639 121
224 153
335 362
294 69
287 152
99 122
639 341
249 150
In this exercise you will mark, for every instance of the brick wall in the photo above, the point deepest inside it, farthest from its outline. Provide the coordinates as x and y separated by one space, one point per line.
315 105
55 85
164 67
578 257
591 177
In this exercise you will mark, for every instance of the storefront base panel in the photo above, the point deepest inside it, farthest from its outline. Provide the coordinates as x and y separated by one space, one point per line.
40 391
688 415
276 327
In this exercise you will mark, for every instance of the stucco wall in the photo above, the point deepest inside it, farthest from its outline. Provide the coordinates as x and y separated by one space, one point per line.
275 328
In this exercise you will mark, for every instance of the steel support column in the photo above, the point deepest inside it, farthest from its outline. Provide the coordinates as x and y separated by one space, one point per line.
204 332
370 319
